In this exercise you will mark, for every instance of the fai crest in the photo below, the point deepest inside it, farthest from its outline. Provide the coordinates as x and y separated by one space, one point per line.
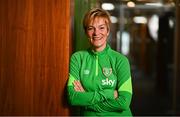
107 71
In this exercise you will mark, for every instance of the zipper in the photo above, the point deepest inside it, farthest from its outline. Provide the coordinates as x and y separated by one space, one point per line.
96 65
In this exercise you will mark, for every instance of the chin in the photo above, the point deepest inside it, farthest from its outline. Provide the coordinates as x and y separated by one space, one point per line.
97 45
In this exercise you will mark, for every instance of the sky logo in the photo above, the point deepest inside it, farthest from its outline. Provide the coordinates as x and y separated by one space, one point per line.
108 82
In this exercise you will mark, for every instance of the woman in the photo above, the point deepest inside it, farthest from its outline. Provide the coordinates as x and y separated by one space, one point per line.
99 78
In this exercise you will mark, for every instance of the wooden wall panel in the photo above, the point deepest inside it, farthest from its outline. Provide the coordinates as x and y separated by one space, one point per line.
34 56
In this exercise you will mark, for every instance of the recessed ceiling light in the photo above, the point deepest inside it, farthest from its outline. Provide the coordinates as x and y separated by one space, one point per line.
140 20
107 6
154 4
114 19
131 4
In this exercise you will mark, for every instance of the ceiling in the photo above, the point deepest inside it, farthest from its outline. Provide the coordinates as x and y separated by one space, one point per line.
140 7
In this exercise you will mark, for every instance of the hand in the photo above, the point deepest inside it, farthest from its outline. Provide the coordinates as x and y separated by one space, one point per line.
115 94
77 86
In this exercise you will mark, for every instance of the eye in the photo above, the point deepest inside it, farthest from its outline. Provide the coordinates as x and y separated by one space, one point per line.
90 28
102 27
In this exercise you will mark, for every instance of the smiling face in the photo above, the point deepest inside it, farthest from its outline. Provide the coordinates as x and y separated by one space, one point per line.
97 32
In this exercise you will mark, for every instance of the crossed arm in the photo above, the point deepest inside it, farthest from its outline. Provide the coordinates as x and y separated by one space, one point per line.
119 102
79 88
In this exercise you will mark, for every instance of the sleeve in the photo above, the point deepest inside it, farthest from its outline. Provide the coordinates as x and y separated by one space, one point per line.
124 87
83 98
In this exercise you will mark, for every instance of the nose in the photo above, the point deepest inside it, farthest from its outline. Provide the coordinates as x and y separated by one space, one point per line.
96 31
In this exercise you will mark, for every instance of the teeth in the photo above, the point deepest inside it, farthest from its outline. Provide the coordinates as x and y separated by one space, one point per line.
96 38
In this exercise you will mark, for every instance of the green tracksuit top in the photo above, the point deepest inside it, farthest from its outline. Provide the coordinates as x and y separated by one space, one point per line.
100 73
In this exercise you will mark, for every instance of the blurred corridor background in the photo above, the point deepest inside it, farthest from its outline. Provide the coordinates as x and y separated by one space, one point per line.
37 38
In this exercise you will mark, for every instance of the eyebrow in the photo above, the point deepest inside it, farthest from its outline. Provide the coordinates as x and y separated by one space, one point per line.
98 26
102 25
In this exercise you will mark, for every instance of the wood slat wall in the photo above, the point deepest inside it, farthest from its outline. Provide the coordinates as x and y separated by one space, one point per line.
34 56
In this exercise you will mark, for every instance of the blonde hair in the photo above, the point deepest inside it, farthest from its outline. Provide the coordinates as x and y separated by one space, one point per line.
96 13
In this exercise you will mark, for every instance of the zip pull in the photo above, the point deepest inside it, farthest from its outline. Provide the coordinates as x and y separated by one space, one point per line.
97 65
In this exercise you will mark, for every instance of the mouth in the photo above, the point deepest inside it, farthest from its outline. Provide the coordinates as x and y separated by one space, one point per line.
97 38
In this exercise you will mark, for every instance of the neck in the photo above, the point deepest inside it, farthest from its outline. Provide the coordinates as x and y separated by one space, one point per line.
99 49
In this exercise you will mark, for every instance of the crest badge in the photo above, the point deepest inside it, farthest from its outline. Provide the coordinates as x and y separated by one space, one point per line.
107 72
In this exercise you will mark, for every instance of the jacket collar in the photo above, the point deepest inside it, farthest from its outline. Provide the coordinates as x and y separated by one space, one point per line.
101 52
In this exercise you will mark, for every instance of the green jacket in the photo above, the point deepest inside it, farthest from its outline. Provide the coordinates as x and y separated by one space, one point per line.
100 73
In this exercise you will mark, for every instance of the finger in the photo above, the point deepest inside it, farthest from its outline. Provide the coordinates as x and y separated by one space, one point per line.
76 89
77 86
115 94
80 86
77 83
